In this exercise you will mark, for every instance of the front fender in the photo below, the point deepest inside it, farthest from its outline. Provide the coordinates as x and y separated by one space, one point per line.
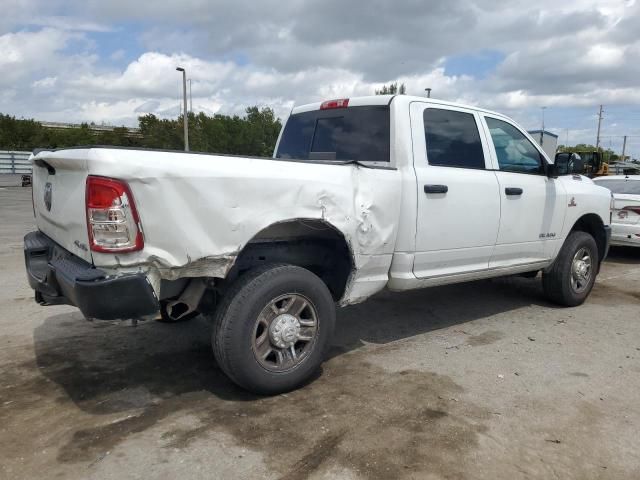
585 198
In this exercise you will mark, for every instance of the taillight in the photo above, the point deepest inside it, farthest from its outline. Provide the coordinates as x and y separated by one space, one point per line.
339 103
112 218
634 209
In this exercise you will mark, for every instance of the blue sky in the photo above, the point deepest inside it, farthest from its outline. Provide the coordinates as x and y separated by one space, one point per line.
120 46
91 60
476 64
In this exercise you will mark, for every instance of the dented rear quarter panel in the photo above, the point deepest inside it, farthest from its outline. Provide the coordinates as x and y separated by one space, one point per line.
198 211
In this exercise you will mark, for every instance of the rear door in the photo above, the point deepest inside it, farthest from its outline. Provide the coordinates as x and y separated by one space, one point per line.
458 197
532 205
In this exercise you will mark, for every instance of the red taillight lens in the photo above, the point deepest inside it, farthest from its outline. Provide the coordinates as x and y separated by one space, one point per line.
633 209
103 193
339 103
112 218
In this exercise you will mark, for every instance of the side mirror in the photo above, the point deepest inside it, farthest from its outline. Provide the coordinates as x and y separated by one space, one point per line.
576 163
566 164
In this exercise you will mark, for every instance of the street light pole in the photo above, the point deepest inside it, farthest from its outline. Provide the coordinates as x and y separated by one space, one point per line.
185 118
190 98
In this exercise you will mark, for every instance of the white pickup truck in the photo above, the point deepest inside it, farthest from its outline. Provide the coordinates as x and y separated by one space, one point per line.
361 194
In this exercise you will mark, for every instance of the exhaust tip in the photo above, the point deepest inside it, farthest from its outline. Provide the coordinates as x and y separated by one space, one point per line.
177 310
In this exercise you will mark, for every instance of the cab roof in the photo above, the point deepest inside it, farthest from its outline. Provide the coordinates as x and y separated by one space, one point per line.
386 100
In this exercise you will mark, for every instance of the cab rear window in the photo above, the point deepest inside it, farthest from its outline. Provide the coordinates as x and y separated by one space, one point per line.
355 133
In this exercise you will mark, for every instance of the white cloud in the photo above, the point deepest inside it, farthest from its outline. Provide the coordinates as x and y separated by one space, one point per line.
568 55
45 83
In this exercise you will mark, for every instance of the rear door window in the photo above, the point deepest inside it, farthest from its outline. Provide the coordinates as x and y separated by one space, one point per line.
354 133
452 139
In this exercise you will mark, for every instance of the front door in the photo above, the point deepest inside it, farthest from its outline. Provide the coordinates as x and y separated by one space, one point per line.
532 204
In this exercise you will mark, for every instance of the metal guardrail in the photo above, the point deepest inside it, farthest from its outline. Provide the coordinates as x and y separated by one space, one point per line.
624 168
13 162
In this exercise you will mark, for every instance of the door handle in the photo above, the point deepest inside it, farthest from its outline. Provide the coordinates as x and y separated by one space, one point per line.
436 189
513 191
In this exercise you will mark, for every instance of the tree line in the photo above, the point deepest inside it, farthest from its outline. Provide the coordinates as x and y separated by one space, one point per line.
255 133
608 155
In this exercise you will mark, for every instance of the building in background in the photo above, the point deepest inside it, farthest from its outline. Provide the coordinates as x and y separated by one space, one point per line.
547 140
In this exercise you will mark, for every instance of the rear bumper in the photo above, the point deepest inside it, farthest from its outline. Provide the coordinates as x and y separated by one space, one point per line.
59 277
624 234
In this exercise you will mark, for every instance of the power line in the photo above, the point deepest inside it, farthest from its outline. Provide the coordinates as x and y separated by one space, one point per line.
619 136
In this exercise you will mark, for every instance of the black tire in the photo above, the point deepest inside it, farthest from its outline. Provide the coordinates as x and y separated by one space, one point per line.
235 320
557 282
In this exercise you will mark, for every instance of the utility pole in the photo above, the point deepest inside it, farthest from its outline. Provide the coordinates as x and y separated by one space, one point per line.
542 133
185 119
599 123
624 147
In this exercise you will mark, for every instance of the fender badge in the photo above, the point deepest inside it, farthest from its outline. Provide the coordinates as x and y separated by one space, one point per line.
573 203
81 246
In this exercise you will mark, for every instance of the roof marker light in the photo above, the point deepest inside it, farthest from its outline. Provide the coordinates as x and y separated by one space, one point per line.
339 103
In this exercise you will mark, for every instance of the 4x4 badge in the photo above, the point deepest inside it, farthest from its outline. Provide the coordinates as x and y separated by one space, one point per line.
48 192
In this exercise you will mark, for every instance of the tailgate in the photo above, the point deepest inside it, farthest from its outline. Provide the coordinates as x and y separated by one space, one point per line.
626 209
59 179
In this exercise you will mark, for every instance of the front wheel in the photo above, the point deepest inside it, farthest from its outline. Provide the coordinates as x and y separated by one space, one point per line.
572 275
272 328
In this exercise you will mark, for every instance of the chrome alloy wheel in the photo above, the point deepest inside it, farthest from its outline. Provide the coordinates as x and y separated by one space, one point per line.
581 270
285 332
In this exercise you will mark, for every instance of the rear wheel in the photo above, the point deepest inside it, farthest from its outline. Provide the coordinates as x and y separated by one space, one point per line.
273 327
572 275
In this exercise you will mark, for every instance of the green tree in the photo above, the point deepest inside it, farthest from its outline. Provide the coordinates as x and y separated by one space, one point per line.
161 133
608 155
254 134
392 89
19 134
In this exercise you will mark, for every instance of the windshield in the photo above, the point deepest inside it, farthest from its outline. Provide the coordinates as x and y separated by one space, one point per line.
621 186
355 133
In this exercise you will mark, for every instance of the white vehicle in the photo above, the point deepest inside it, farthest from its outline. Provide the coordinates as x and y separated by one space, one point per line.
625 223
361 194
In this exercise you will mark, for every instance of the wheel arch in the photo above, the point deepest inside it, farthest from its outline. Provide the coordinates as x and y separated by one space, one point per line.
592 224
314 244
